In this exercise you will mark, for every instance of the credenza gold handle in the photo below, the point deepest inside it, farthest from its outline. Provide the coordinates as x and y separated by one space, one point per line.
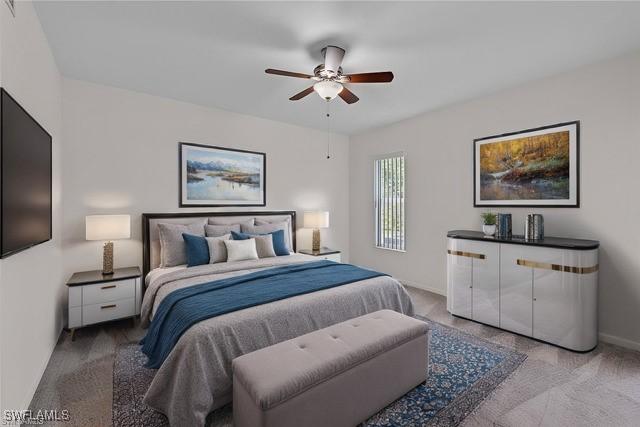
107 306
108 287
557 267
467 254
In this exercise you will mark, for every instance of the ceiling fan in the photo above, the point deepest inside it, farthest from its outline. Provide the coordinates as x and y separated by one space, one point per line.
330 80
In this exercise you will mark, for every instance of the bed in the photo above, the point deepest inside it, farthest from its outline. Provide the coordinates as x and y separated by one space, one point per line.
196 378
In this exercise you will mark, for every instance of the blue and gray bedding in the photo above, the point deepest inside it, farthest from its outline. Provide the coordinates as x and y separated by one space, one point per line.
185 307
196 378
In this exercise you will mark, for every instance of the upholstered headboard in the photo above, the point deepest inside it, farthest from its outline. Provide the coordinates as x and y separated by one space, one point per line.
150 221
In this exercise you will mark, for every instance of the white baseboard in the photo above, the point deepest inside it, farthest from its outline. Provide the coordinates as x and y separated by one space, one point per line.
34 386
423 287
622 342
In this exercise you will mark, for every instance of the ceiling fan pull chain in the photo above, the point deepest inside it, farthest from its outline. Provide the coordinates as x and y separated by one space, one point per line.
328 129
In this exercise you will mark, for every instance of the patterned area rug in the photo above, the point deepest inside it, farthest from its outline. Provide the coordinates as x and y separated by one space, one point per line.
463 371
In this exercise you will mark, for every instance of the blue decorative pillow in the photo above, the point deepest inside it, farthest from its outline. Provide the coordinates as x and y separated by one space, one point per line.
197 249
279 246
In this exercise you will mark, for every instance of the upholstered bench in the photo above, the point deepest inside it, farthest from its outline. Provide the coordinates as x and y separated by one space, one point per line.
337 376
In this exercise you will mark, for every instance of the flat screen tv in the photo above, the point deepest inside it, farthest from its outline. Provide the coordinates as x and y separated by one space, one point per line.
25 182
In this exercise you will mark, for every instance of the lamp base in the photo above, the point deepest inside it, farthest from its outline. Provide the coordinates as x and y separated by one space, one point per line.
107 259
315 243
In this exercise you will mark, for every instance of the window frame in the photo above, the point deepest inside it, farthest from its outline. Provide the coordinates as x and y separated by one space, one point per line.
376 202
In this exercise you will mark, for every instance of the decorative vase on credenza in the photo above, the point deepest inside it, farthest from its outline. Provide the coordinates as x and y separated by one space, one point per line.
489 229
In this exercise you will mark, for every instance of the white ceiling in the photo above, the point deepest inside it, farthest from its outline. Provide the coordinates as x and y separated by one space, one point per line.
215 53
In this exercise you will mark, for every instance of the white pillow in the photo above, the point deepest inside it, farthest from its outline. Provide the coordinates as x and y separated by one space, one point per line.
241 250
217 249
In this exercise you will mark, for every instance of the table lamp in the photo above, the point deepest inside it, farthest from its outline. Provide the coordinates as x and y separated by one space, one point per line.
316 220
108 227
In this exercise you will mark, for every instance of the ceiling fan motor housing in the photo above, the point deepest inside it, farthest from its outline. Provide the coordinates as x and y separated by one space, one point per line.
333 56
322 73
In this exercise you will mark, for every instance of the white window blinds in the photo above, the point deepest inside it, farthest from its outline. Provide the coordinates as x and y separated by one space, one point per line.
390 201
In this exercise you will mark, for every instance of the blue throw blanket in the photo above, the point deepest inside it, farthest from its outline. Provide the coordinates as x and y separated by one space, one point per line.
185 307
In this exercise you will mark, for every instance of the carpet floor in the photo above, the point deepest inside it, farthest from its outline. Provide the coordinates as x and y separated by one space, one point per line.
463 370
552 387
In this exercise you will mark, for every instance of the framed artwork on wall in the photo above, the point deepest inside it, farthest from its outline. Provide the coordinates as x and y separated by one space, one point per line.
217 176
534 167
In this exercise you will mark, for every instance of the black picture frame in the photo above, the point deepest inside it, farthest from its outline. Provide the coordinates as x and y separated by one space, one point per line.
533 203
184 204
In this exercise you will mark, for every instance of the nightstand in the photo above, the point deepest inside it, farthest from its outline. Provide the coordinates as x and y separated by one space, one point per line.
96 298
323 253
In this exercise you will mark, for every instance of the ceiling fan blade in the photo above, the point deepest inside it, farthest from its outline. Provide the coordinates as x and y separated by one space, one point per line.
287 73
333 56
379 77
348 96
302 94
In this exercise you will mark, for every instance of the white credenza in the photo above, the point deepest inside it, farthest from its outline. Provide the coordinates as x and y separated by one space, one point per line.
545 289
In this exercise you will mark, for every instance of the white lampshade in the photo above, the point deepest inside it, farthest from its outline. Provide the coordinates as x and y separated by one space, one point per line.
327 89
316 219
108 227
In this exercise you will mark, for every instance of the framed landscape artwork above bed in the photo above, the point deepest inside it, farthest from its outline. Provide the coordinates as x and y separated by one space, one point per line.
217 176
534 167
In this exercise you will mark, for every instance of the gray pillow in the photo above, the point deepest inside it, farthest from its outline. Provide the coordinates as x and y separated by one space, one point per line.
268 228
226 220
264 246
262 221
220 230
217 248
286 220
172 247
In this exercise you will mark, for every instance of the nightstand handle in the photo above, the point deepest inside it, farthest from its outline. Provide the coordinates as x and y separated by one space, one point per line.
107 306
108 287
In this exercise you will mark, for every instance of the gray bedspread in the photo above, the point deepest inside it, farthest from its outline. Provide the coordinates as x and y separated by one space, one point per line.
196 377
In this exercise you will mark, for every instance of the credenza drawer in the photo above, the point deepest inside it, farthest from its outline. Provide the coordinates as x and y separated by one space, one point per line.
103 312
108 291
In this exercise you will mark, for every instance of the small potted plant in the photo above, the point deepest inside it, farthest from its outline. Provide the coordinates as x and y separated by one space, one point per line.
488 223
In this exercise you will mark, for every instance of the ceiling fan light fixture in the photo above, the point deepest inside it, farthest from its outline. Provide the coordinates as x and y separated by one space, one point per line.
328 89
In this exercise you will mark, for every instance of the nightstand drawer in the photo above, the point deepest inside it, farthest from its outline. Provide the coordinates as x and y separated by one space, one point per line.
323 253
331 257
108 291
97 313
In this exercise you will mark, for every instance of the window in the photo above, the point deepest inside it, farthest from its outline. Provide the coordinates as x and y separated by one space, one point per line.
389 202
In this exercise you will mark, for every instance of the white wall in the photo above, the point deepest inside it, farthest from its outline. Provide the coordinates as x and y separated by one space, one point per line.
604 97
31 282
121 156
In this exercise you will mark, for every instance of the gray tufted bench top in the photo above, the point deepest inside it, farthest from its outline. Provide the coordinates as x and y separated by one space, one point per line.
275 374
